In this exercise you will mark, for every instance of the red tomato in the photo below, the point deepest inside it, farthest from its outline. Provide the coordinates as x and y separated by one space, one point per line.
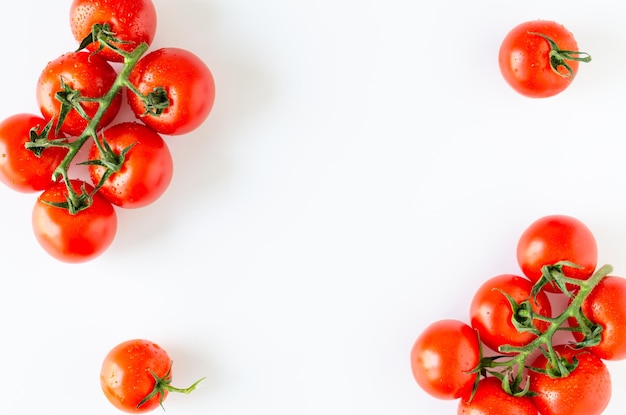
188 83
132 21
136 376
73 238
125 376
88 74
146 171
606 305
586 391
557 238
491 313
442 356
533 66
491 399
20 168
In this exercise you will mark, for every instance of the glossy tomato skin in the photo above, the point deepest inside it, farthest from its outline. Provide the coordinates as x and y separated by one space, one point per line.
586 391
491 312
189 84
147 169
442 356
606 305
20 168
125 375
524 58
491 399
73 238
87 73
133 21
555 238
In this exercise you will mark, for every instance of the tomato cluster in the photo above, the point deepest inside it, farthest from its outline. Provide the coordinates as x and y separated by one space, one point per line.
170 91
506 359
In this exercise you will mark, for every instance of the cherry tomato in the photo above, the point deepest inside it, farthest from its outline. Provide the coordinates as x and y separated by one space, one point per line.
20 168
491 399
539 58
491 313
606 305
188 84
89 75
125 376
76 237
147 167
557 238
586 391
136 375
442 357
132 21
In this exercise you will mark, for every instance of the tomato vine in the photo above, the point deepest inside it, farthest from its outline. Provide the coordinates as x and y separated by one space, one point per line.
71 99
511 366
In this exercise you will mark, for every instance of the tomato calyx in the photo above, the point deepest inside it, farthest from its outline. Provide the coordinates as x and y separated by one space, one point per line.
512 366
162 384
104 36
555 276
74 201
109 159
523 314
559 58
39 141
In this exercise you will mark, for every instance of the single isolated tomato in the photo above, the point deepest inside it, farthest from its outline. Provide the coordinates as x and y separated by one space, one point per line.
556 238
586 391
442 358
76 237
131 21
491 399
540 58
136 375
186 82
606 306
146 170
77 72
492 315
21 169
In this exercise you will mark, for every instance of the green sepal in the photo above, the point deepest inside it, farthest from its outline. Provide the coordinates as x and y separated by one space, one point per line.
39 141
74 202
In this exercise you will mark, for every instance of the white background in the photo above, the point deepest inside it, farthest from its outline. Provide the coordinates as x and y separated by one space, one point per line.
365 168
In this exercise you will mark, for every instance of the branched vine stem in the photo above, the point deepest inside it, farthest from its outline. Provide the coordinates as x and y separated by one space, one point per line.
511 364
79 201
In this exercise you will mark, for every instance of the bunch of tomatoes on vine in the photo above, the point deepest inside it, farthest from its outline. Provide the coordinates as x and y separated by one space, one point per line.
170 91
533 343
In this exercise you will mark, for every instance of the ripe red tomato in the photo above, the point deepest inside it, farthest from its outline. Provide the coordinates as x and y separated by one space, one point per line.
528 62
442 356
132 21
557 238
147 169
73 238
586 391
20 168
606 305
491 399
491 313
88 74
125 376
189 85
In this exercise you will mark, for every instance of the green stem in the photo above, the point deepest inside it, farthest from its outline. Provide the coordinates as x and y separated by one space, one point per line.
519 360
559 57
104 102
161 384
